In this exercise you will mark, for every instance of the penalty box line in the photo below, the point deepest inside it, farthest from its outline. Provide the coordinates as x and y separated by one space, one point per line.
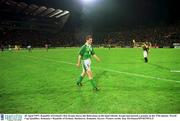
112 70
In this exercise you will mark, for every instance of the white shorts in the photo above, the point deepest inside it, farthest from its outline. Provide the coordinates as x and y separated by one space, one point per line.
145 54
86 64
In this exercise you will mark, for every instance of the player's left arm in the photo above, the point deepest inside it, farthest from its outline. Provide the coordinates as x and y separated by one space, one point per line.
95 56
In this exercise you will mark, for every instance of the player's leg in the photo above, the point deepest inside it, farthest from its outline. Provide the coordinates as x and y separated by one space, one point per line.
146 59
83 74
92 81
87 68
145 56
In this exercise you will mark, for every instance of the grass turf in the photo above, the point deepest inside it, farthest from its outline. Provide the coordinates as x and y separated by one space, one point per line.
45 82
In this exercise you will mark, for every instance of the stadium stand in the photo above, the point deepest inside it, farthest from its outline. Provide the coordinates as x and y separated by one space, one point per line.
23 24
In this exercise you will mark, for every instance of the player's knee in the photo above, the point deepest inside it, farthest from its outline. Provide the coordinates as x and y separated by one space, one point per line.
89 73
90 77
83 73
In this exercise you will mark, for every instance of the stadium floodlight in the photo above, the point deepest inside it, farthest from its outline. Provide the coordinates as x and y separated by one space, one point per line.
62 14
88 1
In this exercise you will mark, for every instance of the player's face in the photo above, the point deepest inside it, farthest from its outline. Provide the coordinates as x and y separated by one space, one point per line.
90 41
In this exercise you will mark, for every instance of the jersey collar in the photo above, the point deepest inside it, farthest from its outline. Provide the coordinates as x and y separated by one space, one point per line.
88 45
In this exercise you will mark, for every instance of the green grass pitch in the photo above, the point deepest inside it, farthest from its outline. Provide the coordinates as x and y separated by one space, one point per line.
45 82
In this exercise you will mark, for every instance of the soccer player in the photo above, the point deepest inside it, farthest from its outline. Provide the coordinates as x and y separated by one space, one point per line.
47 47
109 46
84 56
145 52
29 48
9 47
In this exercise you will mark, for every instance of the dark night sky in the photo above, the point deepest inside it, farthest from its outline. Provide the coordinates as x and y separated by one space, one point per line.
114 14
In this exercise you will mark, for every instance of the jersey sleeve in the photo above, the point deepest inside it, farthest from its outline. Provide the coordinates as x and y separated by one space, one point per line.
92 52
81 51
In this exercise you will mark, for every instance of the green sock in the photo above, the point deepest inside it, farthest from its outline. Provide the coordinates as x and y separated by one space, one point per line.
93 83
80 79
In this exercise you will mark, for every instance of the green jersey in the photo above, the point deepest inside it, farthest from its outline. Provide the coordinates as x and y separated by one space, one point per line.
86 51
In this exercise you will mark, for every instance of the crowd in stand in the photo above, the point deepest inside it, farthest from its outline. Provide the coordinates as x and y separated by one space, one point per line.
158 36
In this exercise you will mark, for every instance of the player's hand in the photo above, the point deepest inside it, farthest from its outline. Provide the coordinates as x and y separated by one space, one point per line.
98 60
78 65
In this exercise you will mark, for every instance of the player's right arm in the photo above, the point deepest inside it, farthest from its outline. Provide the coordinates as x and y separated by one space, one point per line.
81 52
79 61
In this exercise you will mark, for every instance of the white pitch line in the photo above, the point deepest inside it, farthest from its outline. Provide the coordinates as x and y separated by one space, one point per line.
53 60
115 71
141 75
176 71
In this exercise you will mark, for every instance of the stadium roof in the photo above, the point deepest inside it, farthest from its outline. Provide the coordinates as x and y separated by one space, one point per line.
14 13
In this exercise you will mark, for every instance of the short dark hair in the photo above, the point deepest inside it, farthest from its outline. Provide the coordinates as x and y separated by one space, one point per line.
88 36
